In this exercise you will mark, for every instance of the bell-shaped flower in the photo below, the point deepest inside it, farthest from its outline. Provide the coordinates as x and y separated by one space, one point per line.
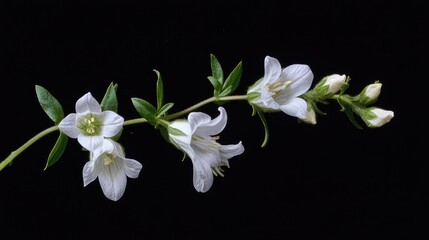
197 137
109 164
376 117
280 89
90 125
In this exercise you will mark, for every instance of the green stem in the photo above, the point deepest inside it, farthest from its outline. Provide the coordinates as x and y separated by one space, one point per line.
202 103
18 151
45 132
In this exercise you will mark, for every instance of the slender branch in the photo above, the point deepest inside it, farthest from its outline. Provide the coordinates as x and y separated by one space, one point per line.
202 103
18 151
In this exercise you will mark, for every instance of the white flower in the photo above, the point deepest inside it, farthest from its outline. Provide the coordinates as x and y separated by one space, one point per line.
334 82
376 117
280 88
109 164
196 138
89 124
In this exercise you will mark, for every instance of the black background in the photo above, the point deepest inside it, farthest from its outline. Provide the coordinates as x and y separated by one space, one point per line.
330 181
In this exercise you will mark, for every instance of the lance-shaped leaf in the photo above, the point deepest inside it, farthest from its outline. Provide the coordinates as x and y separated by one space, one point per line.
57 151
159 91
110 100
163 110
217 75
233 80
145 109
345 107
50 104
264 122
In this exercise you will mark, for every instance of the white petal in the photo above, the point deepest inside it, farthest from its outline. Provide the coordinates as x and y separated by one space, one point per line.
90 142
202 176
301 78
113 180
215 126
207 151
196 119
273 70
112 123
183 141
68 126
132 168
89 173
232 150
296 107
87 103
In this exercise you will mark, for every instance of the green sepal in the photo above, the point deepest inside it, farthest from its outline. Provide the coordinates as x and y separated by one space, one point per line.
345 107
110 100
257 110
345 86
253 95
159 91
233 80
163 110
145 109
175 131
57 151
50 104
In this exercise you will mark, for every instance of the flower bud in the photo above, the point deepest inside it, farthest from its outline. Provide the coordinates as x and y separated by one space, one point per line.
376 117
329 85
370 94
310 117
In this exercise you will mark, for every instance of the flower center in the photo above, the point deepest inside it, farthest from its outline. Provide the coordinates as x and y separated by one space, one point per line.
109 158
277 87
89 124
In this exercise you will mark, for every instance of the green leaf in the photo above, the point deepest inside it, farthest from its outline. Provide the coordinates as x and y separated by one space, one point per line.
145 109
217 71
57 151
50 104
345 107
217 86
264 122
159 91
110 100
233 80
164 109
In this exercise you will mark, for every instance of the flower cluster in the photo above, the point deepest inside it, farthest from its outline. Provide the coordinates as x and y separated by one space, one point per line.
98 127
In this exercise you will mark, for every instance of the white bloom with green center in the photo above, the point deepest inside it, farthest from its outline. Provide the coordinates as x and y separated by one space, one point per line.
280 89
112 168
197 137
89 124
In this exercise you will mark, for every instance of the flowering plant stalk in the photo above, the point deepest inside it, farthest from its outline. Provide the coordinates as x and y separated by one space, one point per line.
97 126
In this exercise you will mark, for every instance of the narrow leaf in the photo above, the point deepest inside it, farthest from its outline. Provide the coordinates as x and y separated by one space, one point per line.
50 104
217 71
264 122
349 112
159 90
110 100
57 151
164 109
145 109
233 79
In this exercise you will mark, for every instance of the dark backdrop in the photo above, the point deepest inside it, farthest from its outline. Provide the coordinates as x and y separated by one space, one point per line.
330 181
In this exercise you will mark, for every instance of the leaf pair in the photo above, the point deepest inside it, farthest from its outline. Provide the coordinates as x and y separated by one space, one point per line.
224 87
149 111
54 110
